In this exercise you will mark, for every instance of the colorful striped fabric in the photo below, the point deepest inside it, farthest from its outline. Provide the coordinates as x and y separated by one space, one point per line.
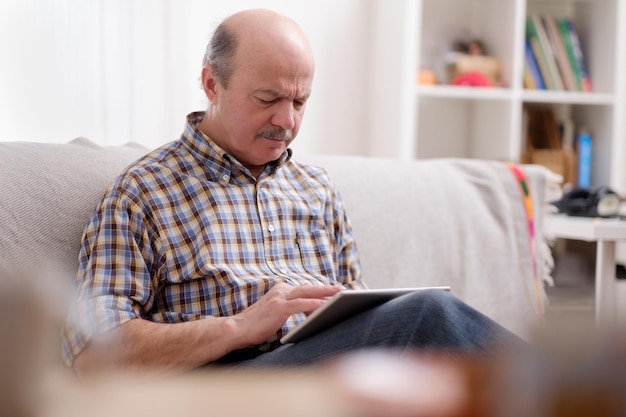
526 195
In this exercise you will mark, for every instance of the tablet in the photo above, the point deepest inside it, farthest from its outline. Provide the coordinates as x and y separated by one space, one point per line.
343 305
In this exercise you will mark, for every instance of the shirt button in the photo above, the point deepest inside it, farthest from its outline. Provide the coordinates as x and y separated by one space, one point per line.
225 177
283 271
271 228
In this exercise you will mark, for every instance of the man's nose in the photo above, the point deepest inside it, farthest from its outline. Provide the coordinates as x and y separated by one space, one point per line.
285 116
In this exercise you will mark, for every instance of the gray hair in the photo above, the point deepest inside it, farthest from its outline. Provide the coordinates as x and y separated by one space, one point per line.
220 53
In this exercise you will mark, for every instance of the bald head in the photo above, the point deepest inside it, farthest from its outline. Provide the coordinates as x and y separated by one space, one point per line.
257 77
252 35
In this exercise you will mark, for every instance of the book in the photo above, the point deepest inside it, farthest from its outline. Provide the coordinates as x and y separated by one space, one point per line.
585 154
540 59
529 82
543 52
577 52
567 41
562 60
541 63
533 68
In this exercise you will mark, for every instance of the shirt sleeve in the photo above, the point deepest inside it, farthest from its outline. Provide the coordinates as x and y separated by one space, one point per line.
347 258
114 283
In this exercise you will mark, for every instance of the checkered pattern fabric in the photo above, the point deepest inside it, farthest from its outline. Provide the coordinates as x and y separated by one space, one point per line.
186 232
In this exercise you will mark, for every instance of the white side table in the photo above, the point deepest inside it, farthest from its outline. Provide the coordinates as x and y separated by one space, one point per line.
606 232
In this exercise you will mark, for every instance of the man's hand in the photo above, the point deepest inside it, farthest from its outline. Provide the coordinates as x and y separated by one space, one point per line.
262 320
142 344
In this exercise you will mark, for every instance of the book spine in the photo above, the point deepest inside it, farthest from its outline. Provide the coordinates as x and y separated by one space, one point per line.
529 81
585 155
578 53
562 61
540 56
547 51
570 52
533 68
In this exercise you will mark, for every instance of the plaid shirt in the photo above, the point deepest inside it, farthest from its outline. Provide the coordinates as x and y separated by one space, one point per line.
186 232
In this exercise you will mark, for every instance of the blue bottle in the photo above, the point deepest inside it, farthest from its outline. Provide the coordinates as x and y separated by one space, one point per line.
585 154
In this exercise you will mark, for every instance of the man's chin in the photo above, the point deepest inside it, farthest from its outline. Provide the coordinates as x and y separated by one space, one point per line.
268 155
278 153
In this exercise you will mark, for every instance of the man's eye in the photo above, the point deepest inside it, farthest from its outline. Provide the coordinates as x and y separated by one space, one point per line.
266 102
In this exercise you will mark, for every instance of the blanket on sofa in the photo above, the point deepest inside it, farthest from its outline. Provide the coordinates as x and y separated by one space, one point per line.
474 225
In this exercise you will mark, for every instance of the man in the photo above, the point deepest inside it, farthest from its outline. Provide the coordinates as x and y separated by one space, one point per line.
210 248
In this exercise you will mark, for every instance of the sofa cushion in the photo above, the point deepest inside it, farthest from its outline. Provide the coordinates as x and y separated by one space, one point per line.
48 193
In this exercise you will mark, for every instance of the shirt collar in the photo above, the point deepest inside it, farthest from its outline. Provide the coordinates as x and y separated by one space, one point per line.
214 157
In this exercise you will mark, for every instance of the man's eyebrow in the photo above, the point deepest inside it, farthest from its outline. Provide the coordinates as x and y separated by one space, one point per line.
276 93
267 91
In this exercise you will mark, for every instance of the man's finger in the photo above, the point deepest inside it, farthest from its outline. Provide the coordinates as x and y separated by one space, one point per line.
305 305
314 291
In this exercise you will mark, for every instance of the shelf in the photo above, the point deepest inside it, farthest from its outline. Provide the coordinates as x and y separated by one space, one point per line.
429 121
529 96
460 92
567 97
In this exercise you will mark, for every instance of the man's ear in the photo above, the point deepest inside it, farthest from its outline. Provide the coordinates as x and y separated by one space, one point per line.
209 83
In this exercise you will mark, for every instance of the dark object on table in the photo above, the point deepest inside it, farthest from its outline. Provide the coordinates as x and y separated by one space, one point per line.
583 202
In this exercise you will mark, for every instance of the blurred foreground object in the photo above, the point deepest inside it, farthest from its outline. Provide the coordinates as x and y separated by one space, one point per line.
20 355
569 370
578 371
377 384
381 383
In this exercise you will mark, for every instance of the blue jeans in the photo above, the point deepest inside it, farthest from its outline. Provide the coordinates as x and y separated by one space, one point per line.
424 320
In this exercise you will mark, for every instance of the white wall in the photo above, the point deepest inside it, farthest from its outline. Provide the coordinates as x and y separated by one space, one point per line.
119 70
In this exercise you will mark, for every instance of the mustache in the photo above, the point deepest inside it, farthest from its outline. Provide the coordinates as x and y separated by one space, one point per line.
277 133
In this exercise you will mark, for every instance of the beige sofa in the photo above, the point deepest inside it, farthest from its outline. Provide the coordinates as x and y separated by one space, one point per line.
463 223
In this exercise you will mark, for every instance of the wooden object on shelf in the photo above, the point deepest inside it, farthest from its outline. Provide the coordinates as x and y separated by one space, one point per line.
544 144
560 161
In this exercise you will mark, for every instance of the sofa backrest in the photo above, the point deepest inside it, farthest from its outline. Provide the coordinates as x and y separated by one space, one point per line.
440 222
49 191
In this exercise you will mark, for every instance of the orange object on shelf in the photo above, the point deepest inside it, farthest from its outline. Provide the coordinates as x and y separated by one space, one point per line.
426 77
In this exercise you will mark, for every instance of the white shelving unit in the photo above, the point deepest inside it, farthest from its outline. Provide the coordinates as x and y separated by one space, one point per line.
412 121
